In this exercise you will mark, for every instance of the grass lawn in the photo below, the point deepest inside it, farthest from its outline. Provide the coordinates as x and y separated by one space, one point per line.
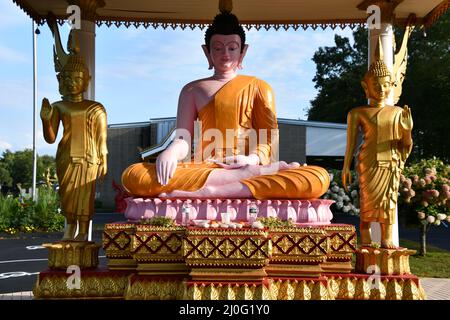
436 263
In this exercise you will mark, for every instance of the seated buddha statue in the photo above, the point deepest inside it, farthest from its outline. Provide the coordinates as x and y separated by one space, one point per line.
232 106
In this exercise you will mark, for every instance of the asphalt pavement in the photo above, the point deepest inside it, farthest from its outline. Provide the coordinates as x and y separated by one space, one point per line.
22 256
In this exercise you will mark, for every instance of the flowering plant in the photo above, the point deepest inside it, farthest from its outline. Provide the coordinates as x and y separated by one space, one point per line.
346 201
425 195
425 188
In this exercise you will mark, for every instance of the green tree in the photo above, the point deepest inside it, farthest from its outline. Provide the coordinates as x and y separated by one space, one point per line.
21 167
5 177
18 166
339 70
338 77
426 90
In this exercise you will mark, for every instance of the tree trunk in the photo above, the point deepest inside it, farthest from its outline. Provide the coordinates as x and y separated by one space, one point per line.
423 240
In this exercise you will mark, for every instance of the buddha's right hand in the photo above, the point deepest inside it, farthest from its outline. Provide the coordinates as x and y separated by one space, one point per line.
166 164
46 110
238 161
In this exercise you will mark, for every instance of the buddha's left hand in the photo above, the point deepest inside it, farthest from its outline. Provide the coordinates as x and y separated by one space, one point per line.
406 119
236 162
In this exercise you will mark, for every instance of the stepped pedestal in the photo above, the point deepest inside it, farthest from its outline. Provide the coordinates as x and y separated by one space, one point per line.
307 261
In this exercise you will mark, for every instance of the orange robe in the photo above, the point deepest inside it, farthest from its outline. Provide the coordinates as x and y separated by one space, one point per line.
242 104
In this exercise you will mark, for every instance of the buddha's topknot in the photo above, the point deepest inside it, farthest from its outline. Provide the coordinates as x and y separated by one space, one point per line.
225 23
378 69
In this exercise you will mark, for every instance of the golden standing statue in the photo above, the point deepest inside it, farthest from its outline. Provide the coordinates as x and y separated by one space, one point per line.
381 158
82 153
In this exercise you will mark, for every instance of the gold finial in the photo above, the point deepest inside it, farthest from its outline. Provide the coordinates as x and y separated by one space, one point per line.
379 50
225 6
378 68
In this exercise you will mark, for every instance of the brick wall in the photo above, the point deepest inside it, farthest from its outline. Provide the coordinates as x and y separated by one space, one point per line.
292 143
123 150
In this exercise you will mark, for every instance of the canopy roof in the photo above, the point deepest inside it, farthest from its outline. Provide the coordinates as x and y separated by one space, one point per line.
252 13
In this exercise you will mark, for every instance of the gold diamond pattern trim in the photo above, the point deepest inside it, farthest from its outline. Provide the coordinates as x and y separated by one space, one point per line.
205 248
122 240
174 243
248 248
286 243
227 247
154 243
306 244
336 242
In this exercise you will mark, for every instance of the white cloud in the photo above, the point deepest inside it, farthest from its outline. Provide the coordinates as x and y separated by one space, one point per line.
158 54
5 145
8 55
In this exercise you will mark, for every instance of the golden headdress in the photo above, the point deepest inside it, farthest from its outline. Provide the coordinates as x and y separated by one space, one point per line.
378 68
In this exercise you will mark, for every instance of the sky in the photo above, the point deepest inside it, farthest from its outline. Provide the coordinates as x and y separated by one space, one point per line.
140 72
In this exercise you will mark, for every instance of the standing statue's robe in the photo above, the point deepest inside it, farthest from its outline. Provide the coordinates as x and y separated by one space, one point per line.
241 104
79 155
380 162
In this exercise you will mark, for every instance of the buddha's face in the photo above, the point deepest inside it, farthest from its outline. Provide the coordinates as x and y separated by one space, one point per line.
378 88
225 52
73 82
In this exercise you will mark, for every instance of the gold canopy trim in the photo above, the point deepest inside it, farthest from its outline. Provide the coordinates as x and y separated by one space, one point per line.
257 14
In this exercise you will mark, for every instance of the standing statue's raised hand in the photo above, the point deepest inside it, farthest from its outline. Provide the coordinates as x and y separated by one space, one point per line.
46 110
406 120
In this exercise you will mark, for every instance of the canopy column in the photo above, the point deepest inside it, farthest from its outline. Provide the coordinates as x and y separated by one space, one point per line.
87 50
381 27
86 37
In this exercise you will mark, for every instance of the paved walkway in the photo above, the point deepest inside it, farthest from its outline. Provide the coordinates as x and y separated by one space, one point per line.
435 288
25 295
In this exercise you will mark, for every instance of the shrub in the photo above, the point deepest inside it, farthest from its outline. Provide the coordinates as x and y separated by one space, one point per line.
425 195
24 214
346 201
158 221
9 212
